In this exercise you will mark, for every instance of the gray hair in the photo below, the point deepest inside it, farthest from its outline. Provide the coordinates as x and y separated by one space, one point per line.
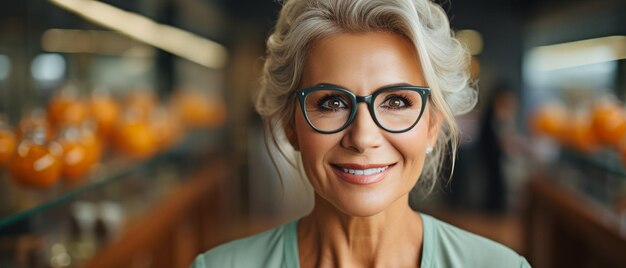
443 58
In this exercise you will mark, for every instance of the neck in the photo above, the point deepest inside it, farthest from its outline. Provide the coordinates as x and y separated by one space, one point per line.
392 238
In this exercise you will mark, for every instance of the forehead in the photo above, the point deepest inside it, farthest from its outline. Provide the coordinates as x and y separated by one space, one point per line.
362 62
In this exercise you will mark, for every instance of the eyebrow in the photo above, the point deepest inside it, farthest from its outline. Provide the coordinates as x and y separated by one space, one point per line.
381 87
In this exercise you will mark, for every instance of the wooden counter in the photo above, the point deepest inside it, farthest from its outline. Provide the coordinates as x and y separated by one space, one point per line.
175 230
566 230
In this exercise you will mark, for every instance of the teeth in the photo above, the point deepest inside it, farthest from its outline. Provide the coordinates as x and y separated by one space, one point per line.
368 171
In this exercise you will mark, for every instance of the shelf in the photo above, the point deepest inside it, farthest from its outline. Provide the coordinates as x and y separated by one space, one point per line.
600 177
605 161
190 218
18 203
45 199
564 229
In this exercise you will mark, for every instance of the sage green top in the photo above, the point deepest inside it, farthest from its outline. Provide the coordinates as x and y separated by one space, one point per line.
444 246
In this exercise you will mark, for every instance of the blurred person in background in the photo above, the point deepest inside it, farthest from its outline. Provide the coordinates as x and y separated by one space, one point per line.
497 131
365 93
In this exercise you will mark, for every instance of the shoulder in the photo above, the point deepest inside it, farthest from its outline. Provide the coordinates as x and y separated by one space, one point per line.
266 249
449 246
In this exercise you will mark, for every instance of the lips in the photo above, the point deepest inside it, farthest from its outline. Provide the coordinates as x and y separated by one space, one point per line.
368 171
361 174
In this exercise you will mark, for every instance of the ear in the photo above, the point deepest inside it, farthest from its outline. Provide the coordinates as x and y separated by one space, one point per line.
292 136
434 126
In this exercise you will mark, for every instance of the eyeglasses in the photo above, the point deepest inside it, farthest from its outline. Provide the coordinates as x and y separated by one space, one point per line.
329 109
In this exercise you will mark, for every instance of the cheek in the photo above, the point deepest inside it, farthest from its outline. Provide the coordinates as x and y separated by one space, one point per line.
313 146
412 146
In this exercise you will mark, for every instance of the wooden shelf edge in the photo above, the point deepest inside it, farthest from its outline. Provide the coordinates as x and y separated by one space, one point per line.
163 216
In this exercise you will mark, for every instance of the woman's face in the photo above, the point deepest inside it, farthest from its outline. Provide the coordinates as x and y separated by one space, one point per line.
363 63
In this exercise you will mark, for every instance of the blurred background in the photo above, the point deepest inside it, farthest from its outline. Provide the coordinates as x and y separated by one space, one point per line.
128 136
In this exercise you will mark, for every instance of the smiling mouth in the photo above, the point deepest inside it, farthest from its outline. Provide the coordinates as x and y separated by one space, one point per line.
359 169
361 174
369 171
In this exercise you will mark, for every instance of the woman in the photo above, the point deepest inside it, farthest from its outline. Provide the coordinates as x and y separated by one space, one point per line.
365 91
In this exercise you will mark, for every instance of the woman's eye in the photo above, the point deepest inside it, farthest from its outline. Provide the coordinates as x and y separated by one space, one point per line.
394 103
333 104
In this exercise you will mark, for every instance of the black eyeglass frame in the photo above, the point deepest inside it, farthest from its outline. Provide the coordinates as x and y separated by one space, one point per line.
355 99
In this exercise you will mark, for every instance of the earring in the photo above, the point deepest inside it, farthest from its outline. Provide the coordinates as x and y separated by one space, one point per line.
429 150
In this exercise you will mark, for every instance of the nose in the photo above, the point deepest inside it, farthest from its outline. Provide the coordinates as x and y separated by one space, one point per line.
363 133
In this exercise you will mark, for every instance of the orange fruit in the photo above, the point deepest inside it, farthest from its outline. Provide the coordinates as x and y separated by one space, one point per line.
218 113
36 165
609 121
35 121
165 128
134 137
197 110
580 134
144 101
7 145
75 160
77 157
550 120
105 111
92 143
64 110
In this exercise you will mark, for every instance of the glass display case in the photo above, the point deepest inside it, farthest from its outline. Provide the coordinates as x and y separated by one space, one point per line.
574 72
103 124
574 92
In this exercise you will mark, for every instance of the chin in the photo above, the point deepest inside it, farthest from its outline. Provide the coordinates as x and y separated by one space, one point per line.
366 206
